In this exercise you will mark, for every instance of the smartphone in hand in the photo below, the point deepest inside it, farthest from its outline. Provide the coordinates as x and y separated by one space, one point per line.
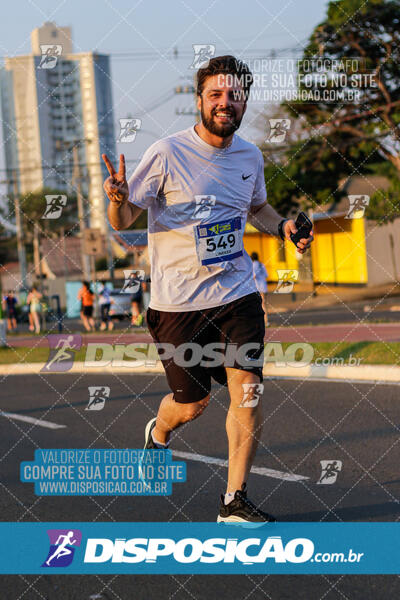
304 226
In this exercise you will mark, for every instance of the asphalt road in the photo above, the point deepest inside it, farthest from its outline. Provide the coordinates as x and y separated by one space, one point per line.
344 313
305 422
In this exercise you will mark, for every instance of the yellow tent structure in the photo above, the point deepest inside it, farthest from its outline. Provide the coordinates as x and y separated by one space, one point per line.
338 253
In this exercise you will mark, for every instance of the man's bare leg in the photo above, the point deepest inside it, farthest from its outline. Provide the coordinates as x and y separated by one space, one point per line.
172 414
243 426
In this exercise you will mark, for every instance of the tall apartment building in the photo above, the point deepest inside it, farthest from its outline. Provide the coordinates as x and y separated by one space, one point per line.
51 104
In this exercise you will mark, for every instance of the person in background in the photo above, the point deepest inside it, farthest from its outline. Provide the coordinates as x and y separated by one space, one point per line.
33 300
136 301
260 276
86 296
105 304
9 304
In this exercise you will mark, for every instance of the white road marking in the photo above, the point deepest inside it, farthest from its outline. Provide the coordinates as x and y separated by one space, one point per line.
39 422
224 463
330 379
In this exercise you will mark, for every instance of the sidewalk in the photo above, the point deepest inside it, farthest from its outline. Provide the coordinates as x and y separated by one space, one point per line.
329 295
352 332
373 374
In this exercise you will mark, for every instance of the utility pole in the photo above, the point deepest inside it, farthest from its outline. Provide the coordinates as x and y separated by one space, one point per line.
77 179
187 89
20 239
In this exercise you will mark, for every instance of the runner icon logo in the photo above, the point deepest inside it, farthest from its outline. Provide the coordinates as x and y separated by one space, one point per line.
97 397
251 394
330 470
202 54
357 206
286 280
50 55
202 209
62 352
278 131
62 547
54 206
128 130
133 280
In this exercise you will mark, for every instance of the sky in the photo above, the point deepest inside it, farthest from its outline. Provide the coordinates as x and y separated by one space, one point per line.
141 36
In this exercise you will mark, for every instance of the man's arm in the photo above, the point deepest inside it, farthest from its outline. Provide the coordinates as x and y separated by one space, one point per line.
266 219
121 213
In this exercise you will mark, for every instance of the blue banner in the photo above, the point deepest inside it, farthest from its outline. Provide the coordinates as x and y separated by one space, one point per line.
199 548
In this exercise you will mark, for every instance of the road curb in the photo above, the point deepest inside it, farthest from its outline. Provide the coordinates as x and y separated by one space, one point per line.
366 373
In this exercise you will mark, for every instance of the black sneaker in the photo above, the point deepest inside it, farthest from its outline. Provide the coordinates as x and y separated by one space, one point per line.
148 445
148 439
242 510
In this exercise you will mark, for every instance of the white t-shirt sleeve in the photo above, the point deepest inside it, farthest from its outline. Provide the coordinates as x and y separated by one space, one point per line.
259 193
147 179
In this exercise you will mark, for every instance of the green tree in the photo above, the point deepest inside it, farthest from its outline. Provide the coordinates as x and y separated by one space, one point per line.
346 137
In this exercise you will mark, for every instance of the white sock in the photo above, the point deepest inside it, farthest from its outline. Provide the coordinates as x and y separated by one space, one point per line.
157 443
229 497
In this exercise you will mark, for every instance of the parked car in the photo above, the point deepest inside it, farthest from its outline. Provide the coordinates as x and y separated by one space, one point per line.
120 305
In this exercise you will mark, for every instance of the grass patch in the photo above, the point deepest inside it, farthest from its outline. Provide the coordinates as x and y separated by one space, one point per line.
22 354
370 353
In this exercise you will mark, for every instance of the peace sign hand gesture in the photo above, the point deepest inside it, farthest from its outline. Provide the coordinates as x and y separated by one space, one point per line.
116 186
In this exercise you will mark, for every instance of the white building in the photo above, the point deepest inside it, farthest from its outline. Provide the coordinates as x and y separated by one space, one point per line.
50 102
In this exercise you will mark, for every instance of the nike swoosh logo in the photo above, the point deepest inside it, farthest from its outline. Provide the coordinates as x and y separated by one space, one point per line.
246 177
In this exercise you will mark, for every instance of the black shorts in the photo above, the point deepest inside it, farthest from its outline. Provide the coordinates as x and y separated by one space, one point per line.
137 297
88 311
235 324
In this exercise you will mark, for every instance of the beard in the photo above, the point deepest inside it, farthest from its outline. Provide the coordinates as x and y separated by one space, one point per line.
223 130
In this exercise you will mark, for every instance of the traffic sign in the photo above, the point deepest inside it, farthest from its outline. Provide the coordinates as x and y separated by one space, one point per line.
93 242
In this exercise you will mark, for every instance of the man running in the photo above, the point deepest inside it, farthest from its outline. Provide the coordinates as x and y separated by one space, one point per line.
203 290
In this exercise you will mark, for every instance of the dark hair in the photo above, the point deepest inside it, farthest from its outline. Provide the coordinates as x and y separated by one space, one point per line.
224 65
254 256
86 284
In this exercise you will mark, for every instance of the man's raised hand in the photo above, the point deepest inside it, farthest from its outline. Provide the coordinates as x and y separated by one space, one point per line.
116 186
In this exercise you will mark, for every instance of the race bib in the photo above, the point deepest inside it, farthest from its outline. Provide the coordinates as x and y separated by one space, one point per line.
218 242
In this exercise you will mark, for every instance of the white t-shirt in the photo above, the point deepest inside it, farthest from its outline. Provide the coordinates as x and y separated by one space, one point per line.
198 197
260 276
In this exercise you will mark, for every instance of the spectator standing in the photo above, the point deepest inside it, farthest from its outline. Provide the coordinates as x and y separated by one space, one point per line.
33 299
9 305
105 305
86 296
